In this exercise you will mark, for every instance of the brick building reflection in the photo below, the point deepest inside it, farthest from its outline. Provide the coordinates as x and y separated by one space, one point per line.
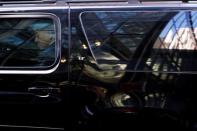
175 48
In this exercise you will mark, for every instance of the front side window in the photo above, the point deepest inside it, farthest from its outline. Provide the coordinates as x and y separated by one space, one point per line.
142 40
27 42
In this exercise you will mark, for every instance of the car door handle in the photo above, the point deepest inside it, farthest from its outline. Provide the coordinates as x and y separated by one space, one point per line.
43 91
45 94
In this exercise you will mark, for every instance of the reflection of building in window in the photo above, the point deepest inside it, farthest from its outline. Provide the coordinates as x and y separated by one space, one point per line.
175 48
179 33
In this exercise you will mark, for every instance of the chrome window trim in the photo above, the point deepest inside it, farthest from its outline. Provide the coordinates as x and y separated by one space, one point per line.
32 127
48 71
142 6
86 37
22 7
36 70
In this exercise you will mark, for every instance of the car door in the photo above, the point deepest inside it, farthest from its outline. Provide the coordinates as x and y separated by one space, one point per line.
134 64
34 64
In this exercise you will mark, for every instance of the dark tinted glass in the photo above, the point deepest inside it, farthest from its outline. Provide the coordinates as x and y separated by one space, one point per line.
27 42
143 41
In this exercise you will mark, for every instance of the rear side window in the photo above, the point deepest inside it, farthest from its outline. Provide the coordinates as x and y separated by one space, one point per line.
142 41
28 42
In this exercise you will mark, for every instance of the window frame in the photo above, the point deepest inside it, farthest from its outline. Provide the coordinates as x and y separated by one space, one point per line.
35 69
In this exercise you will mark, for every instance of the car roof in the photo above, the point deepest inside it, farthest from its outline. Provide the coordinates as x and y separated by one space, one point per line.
138 2
97 0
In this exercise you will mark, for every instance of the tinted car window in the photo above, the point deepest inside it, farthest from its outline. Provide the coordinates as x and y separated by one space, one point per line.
142 41
27 42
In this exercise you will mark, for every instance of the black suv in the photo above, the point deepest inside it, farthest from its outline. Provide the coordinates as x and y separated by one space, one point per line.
96 65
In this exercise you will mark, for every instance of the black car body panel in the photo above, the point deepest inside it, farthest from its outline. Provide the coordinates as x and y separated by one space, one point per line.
125 91
29 98
108 65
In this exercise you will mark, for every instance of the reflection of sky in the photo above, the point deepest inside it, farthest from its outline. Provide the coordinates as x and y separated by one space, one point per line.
12 40
112 21
39 26
121 26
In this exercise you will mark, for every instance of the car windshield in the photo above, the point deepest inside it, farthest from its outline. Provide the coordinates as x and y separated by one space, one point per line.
143 40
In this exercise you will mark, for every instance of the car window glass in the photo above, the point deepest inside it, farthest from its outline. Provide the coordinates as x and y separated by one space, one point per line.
142 40
27 42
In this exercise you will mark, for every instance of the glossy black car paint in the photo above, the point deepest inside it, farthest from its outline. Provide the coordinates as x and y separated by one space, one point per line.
100 113
34 102
72 98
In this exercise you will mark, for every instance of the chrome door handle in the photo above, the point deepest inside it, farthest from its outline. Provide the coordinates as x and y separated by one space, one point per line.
43 91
